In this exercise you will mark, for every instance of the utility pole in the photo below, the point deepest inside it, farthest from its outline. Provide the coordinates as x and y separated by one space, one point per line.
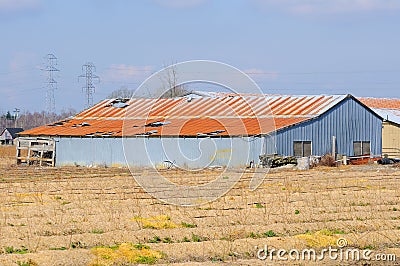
51 83
89 87
16 113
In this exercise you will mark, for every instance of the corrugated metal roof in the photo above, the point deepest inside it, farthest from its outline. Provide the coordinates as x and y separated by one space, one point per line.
391 115
381 103
223 106
222 115
388 109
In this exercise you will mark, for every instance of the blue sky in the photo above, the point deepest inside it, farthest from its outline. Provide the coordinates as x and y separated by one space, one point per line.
288 46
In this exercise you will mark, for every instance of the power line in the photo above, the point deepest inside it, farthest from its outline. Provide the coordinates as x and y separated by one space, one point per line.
89 87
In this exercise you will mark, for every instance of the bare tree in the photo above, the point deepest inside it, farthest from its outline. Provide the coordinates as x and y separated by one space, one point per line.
123 92
170 87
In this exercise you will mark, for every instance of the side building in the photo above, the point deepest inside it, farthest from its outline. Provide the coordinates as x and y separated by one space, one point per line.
219 130
389 110
8 135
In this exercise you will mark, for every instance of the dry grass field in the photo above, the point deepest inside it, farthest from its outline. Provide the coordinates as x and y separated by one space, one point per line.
100 216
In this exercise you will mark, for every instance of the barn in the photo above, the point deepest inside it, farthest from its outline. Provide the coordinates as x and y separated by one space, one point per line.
218 130
389 110
8 135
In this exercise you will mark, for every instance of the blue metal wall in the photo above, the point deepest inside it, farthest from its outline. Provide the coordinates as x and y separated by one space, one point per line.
348 121
148 152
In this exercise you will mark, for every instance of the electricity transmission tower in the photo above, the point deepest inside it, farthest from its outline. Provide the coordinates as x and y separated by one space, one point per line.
51 83
89 87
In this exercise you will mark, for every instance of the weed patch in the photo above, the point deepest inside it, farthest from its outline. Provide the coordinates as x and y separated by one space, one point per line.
26 263
197 238
322 238
97 231
156 222
124 254
60 248
156 239
259 205
12 250
269 233
187 225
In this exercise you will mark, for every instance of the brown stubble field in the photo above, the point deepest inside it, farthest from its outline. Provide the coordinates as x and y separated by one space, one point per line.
86 216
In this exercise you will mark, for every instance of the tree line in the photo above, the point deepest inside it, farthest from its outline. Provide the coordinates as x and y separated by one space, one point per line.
28 120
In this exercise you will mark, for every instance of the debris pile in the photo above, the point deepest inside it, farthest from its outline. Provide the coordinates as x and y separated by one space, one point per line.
276 161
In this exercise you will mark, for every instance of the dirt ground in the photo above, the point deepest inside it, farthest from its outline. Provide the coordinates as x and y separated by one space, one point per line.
85 216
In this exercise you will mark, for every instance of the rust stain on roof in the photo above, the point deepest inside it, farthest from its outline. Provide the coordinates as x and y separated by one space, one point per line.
381 103
222 115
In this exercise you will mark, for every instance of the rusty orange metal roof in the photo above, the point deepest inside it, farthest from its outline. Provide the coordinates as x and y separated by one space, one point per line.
388 109
222 115
224 106
381 103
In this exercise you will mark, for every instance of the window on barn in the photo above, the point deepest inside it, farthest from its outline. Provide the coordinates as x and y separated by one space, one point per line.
298 148
362 148
302 148
366 147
